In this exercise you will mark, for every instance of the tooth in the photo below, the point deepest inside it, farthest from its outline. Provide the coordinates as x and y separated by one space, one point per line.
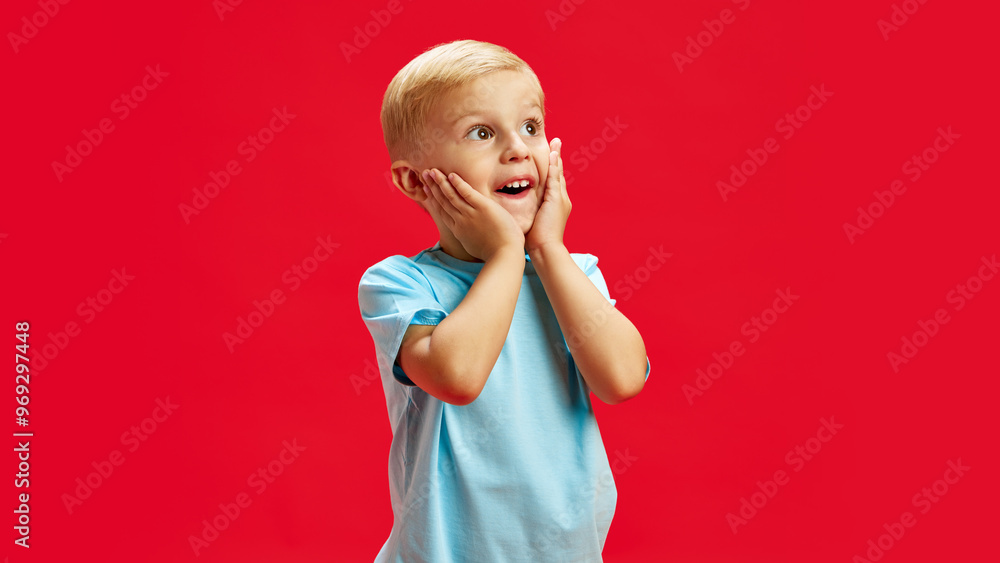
524 183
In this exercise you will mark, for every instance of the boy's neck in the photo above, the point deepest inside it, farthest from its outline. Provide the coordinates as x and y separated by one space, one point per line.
450 245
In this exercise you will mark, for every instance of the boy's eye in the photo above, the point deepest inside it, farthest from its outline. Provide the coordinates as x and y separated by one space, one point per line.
483 133
480 133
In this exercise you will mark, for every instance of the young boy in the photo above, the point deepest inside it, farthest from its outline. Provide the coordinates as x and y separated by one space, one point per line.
490 342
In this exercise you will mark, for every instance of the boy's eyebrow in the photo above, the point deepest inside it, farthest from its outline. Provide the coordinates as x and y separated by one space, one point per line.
479 114
467 115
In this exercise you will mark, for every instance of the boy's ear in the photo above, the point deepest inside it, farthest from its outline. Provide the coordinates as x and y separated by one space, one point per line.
407 178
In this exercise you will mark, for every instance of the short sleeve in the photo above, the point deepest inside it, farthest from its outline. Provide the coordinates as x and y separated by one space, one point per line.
588 263
392 295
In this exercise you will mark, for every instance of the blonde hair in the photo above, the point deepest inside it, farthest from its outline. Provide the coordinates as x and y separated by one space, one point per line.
412 92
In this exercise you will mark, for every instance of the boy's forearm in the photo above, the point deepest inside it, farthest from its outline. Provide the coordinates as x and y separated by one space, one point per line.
469 340
605 345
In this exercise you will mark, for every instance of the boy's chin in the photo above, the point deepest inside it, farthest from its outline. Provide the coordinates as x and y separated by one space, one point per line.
526 225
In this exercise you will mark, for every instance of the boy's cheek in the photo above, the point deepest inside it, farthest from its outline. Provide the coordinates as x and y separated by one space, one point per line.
539 190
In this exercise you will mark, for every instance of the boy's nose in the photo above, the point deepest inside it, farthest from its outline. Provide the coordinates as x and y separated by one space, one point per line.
516 149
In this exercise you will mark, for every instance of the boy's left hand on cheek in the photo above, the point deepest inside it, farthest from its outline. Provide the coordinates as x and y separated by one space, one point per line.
550 220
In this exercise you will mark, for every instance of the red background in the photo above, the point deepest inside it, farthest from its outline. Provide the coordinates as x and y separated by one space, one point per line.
654 185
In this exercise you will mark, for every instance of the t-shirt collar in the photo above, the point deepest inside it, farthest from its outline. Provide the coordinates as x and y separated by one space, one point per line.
450 260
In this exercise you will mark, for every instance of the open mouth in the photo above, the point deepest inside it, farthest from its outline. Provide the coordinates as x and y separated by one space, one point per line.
515 187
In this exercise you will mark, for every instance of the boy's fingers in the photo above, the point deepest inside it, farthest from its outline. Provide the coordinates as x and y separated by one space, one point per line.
428 184
429 199
457 193
447 190
463 188
435 197
559 167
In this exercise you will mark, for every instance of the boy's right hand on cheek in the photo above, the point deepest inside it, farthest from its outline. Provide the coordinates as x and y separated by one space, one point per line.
479 223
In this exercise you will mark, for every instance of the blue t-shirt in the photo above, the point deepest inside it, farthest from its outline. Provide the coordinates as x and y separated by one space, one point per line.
518 475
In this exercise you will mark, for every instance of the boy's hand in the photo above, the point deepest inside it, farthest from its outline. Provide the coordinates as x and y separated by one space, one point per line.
550 220
479 223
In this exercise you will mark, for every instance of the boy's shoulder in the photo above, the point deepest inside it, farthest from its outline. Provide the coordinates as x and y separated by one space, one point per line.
393 267
401 264
394 262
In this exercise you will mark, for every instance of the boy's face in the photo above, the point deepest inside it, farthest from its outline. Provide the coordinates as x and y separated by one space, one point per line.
489 132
